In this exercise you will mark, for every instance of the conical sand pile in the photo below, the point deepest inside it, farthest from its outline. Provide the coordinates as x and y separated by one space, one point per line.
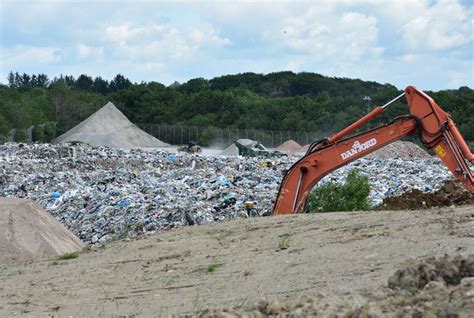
288 147
109 127
300 151
28 232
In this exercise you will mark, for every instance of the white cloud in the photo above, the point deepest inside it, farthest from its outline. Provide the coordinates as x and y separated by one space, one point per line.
86 51
349 35
161 43
397 41
425 26
28 55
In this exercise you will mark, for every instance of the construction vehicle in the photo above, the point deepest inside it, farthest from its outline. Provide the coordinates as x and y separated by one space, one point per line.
434 126
192 147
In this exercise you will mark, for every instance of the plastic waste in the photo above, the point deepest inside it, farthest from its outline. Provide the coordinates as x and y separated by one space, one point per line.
103 194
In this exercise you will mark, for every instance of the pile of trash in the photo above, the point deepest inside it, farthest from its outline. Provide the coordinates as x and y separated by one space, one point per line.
102 194
400 149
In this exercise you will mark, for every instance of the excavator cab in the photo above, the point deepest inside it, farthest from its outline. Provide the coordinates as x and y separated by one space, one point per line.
434 126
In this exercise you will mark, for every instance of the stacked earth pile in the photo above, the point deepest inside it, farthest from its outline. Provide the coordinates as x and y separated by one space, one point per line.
110 127
101 193
27 232
288 147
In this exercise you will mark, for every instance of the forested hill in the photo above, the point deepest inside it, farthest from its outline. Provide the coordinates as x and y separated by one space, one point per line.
276 101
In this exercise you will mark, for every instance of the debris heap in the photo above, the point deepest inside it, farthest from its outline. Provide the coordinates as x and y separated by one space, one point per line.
102 193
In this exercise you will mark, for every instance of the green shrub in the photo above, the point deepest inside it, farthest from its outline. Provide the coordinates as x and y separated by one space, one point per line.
209 135
67 256
214 266
350 196
37 135
21 135
49 131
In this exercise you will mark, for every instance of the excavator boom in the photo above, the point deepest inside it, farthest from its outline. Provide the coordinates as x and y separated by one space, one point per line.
435 127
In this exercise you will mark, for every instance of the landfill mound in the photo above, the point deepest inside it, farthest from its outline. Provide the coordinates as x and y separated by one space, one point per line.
27 232
110 127
451 193
233 150
103 194
288 147
400 149
433 287
301 151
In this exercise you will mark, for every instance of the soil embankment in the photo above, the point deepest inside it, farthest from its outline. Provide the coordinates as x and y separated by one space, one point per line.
335 258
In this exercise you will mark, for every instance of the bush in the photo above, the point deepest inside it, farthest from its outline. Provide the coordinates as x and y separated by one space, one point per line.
353 195
21 135
49 131
37 135
209 135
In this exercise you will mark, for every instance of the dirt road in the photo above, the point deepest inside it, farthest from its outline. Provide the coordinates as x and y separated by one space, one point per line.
236 263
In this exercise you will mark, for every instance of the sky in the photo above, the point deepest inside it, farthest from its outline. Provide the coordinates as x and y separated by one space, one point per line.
428 44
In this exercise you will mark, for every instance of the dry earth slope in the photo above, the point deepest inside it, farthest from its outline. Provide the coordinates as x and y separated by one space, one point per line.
236 263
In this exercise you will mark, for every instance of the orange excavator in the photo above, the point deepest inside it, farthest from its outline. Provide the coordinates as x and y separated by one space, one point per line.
434 126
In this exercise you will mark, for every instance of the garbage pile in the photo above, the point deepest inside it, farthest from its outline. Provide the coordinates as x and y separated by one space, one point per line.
400 149
102 194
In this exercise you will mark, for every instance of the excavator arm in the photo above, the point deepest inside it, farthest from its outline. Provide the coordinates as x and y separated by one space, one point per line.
434 126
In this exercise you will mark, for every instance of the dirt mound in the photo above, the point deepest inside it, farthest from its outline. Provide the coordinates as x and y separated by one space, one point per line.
451 193
288 147
301 151
109 127
28 232
430 288
447 270
400 149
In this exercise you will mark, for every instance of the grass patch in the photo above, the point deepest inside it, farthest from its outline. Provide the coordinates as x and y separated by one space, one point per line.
214 266
284 242
67 256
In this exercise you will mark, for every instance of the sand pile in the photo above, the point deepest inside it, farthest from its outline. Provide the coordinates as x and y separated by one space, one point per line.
301 151
109 127
233 150
288 147
28 232
400 149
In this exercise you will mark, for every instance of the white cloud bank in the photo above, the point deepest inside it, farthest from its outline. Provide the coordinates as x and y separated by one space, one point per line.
425 43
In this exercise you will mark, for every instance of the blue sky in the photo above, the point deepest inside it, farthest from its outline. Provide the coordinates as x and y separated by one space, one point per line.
424 43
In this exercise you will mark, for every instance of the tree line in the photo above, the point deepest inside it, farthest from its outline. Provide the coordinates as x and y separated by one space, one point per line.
275 101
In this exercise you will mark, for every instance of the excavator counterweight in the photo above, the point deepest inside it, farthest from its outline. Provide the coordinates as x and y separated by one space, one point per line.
434 126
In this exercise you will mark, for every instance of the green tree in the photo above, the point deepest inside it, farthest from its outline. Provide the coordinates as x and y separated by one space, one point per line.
350 196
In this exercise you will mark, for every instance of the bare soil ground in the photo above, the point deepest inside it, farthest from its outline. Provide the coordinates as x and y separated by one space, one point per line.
336 258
